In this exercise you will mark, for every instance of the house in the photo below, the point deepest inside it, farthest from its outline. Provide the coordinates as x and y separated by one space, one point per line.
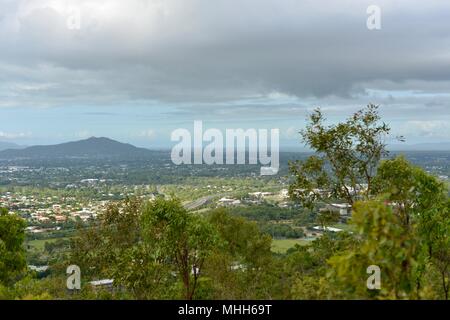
255 194
227 202
56 208
43 219
82 214
38 269
284 193
60 218
319 228
102 284
344 209
260 195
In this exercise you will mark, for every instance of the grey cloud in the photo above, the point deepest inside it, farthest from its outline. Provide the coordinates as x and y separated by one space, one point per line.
201 51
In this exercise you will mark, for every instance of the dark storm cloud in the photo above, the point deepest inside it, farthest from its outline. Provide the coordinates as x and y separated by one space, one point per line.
210 51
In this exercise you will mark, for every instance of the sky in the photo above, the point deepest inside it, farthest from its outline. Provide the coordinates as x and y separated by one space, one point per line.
136 70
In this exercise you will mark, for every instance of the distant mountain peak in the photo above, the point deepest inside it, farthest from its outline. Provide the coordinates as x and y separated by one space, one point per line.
93 147
94 138
435 146
8 145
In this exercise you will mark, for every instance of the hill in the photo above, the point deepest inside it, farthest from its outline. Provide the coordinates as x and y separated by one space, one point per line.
8 145
91 148
443 146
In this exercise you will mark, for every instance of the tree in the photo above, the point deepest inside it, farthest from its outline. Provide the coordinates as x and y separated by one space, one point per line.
307 267
421 203
409 188
183 239
347 155
435 230
242 266
400 213
243 239
12 252
327 217
145 247
95 249
383 242
405 232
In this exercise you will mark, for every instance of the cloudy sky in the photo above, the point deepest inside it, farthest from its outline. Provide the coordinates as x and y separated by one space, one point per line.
135 70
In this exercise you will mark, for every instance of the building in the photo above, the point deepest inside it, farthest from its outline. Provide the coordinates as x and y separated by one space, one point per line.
229 202
344 209
102 284
327 228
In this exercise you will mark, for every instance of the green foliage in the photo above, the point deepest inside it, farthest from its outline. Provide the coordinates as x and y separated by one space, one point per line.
383 242
182 239
146 247
242 267
97 248
307 269
411 189
12 253
435 232
243 239
347 155
266 213
405 232
421 203
400 215
282 231
325 218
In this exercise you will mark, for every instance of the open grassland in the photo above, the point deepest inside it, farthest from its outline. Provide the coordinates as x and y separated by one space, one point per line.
282 245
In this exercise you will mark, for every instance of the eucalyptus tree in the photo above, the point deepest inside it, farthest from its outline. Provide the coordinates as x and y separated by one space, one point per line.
346 157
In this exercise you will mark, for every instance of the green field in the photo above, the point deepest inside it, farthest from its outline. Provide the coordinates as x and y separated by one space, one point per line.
39 244
282 245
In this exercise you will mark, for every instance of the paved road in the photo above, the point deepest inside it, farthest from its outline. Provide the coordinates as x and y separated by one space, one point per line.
196 203
203 200
199 202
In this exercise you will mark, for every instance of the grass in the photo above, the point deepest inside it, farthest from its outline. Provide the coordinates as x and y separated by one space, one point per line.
39 244
282 245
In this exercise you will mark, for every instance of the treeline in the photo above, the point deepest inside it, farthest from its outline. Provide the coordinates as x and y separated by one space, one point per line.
266 212
277 230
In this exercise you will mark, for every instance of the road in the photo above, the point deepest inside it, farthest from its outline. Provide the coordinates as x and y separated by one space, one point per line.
203 200
199 202
196 203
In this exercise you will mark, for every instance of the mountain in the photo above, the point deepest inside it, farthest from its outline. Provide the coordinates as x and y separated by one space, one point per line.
8 145
441 146
89 148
